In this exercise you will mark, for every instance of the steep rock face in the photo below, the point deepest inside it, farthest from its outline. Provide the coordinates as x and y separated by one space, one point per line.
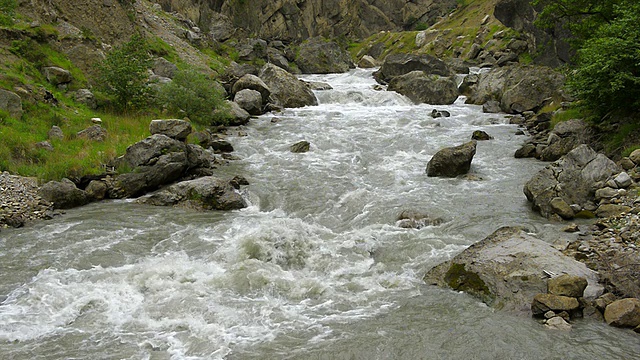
550 44
298 20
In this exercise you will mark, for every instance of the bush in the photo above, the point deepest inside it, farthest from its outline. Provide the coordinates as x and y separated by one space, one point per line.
123 75
191 94
607 76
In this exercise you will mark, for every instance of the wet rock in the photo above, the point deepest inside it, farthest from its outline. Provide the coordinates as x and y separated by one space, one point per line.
435 113
318 85
421 87
567 285
173 128
491 107
505 270
252 82
286 90
558 323
221 146
453 161
96 190
249 100
63 194
239 116
481 136
401 64
205 193
548 302
300 147
623 313
411 219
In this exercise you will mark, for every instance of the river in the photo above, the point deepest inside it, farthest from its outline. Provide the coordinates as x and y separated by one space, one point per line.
314 268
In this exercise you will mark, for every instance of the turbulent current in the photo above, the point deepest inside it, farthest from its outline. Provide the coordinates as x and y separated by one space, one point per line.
315 268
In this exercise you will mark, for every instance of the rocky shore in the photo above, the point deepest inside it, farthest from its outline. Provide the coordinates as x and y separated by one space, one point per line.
20 202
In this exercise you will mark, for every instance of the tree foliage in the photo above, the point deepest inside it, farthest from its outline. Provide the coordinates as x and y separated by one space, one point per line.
606 77
123 74
192 94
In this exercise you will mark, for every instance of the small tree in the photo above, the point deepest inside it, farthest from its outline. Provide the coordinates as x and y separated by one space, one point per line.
194 95
123 74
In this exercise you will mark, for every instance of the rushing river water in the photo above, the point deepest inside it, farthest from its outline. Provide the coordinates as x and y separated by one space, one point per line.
314 268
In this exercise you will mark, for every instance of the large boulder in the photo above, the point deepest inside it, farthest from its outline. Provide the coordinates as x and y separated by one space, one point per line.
287 90
506 270
400 64
63 194
174 128
564 137
164 68
453 161
57 76
518 88
252 82
11 103
165 169
569 183
421 87
238 115
205 193
147 151
249 100
321 56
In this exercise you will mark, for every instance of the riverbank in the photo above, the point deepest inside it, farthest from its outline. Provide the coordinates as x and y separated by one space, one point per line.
20 202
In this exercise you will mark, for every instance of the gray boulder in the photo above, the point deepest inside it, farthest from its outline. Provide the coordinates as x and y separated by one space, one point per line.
163 170
93 133
286 90
250 49
63 194
400 64
55 133
518 88
249 100
205 193
11 103
453 161
57 76
164 68
85 96
174 128
491 107
147 151
505 270
239 116
571 180
321 56
421 87
252 82
411 219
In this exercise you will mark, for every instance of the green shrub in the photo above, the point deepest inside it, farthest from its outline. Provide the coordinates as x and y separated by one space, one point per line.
191 94
123 74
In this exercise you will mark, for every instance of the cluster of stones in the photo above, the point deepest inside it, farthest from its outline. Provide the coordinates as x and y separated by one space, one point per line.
161 159
564 302
581 184
551 144
20 202
610 247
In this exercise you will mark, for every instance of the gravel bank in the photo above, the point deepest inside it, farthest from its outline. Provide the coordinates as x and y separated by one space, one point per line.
19 201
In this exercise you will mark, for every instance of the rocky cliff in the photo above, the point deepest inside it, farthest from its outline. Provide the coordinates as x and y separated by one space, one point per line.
301 19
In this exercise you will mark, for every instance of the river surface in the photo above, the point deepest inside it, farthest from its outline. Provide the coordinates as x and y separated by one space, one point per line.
314 268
